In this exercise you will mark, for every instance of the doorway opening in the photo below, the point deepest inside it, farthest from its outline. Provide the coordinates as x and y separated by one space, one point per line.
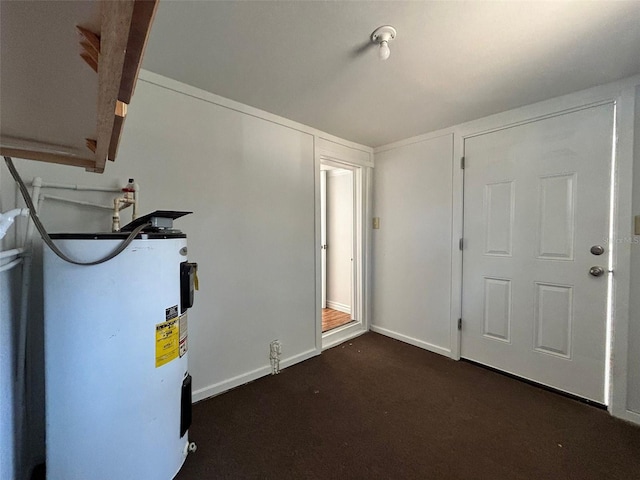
337 232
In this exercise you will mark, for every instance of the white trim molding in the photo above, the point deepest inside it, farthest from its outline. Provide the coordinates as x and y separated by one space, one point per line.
360 164
623 228
322 138
335 151
341 307
233 382
341 334
412 341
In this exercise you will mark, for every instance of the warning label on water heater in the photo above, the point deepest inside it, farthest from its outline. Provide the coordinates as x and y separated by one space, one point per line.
167 341
183 334
171 312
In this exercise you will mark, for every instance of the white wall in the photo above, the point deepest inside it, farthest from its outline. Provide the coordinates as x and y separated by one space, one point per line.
249 178
633 361
412 195
339 239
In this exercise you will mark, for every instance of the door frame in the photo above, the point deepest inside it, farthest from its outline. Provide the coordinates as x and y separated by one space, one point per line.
323 238
325 256
622 95
361 202
596 379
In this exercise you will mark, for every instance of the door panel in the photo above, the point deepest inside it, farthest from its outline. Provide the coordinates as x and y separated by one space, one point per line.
498 219
497 309
536 199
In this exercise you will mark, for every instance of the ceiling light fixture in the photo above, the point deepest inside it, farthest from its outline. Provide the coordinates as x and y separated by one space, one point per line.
383 35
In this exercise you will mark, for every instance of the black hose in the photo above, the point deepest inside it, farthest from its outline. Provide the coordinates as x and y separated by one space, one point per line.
45 236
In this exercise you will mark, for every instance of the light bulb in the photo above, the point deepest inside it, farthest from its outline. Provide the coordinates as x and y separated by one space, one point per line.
384 51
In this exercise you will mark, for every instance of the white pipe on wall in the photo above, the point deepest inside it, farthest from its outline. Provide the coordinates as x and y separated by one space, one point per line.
119 203
11 253
10 265
75 202
7 219
20 380
85 188
136 200
115 217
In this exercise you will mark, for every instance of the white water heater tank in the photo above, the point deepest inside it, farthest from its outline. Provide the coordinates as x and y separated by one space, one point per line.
118 392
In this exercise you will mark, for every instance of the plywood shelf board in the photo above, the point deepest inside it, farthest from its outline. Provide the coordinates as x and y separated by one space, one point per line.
114 35
49 94
144 12
88 163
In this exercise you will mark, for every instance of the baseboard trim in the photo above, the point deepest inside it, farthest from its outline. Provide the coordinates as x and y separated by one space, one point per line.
412 341
342 334
630 416
341 307
233 382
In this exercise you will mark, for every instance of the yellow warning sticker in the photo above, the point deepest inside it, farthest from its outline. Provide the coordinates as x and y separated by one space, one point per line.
167 341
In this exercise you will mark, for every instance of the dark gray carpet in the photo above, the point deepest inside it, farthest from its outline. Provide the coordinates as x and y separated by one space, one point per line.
378 408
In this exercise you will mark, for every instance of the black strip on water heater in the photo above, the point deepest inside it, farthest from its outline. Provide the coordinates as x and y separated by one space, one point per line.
187 284
185 406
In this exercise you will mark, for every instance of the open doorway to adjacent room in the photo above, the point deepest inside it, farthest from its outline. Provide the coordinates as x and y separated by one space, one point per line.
337 230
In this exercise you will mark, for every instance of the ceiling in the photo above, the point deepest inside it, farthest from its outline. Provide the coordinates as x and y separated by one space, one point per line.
451 62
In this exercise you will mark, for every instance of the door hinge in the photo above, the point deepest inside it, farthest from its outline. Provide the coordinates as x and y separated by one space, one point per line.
461 243
459 324
462 163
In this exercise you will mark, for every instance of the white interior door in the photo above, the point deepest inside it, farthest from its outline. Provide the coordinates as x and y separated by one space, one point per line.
536 200
323 235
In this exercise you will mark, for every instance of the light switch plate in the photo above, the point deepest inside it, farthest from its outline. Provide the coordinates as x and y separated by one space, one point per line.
636 225
376 222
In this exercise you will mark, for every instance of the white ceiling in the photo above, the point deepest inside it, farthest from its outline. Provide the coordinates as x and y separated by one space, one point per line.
451 61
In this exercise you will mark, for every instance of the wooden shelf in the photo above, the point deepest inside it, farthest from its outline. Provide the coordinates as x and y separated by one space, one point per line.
111 39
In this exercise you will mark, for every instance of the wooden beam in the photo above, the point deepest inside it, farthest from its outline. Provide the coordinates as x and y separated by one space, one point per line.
121 109
118 124
87 163
114 35
143 14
